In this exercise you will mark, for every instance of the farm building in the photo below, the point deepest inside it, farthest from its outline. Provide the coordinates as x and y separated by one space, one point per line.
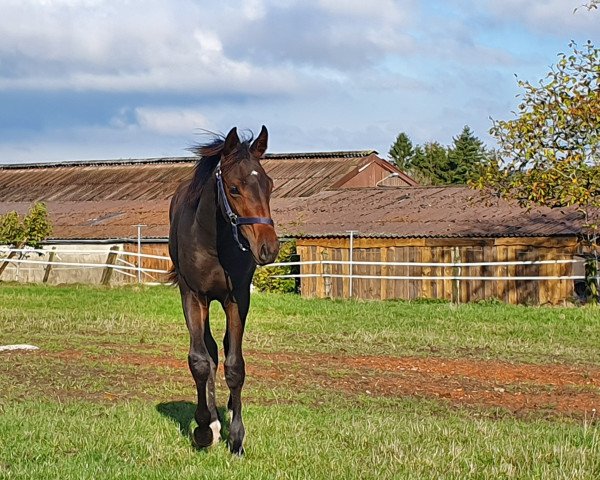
97 205
318 199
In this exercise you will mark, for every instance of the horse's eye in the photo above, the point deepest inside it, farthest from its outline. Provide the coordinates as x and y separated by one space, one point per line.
234 191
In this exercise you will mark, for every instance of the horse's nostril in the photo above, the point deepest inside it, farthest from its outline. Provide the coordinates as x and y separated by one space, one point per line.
264 253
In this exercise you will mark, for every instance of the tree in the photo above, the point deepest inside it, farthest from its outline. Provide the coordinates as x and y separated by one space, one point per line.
591 5
550 153
401 151
464 157
29 230
435 164
429 164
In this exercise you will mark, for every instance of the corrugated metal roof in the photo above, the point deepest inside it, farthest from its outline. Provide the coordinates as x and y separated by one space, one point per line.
418 212
105 199
410 212
294 174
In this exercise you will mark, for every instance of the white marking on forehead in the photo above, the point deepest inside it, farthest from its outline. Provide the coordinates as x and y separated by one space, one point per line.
253 172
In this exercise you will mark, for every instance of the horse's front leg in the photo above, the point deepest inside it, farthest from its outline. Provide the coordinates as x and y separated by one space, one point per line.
235 369
202 367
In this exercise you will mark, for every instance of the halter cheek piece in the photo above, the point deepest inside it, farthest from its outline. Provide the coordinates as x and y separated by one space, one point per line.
233 218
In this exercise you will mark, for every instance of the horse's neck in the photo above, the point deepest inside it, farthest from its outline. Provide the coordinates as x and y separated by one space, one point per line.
206 211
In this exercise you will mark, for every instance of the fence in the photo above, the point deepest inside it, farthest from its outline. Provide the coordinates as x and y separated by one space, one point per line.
64 265
347 273
116 263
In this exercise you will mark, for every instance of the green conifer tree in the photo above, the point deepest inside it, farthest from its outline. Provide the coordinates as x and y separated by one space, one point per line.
401 151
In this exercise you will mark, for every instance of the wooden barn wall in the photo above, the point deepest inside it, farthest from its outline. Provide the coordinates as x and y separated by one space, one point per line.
153 263
538 292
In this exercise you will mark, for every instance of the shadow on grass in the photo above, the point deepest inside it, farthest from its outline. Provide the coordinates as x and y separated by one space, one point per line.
182 413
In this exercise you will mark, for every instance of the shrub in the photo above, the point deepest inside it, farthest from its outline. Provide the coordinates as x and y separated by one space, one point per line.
264 279
29 230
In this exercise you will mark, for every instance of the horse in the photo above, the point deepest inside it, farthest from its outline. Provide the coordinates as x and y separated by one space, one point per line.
220 230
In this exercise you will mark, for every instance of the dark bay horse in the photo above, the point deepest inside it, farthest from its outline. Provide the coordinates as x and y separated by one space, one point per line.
221 229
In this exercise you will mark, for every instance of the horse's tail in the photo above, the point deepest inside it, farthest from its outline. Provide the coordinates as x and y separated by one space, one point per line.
173 276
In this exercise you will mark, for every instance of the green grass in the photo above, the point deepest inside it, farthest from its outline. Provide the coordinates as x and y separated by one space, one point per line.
134 440
77 411
290 323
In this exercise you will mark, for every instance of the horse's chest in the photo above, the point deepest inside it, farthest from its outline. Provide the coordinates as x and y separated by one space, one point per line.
205 276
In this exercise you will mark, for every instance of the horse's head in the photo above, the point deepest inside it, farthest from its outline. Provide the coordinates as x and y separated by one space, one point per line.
247 188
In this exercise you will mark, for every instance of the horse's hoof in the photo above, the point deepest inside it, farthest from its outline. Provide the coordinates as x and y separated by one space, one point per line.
216 431
203 437
237 450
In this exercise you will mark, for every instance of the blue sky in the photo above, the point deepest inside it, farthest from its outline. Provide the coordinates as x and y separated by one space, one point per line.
99 79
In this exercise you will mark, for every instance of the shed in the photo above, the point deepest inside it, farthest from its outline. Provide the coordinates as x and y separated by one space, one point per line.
319 198
431 225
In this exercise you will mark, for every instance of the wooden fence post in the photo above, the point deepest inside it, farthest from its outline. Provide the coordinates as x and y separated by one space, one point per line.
11 255
6 262
49 265
108 270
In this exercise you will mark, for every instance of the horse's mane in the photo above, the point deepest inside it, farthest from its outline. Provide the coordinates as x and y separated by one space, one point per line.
209 155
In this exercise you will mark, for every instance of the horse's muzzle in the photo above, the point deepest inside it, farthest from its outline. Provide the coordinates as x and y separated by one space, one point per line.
268 252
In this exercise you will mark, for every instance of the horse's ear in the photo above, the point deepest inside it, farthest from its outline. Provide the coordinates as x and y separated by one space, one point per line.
231 142
259 146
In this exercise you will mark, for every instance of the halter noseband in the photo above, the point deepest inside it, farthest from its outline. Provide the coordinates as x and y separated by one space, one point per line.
233 217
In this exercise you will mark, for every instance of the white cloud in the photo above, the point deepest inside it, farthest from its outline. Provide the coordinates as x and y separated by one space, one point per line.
171 121
556 17
137 45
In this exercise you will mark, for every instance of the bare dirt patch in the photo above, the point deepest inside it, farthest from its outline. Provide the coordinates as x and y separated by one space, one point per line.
572 390
519 388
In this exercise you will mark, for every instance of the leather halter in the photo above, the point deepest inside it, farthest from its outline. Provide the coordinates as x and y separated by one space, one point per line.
233 217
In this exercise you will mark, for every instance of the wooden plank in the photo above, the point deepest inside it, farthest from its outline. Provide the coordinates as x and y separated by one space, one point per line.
401 286
415 286
527 290
426 285
502 271
461 242
345 270
538 241
361 242
489 286
545 270
445 286
385 272
456 271
512 286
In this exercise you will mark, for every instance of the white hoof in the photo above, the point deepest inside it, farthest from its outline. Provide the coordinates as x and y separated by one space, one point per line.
216 431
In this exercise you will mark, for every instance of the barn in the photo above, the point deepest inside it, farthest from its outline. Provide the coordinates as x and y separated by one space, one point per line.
451 224
99 204
318 199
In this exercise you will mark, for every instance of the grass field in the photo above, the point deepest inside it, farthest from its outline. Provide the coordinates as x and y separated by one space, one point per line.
334 389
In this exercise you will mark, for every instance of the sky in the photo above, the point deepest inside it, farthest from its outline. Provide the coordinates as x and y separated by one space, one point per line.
108 79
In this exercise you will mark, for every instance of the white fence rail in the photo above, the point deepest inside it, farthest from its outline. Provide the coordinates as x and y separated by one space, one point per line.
26 256
51 260
458 265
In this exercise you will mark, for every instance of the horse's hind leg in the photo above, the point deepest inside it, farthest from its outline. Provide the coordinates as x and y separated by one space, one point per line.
235 369
199 359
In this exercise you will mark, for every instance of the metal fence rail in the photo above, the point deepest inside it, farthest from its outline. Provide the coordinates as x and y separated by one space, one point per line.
124 267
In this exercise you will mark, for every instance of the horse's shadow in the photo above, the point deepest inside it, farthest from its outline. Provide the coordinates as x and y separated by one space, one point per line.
182 413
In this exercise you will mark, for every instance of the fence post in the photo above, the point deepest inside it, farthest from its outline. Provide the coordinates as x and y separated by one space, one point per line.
49 265
6 262
351 265
591 280
110 260
11 255
456 273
